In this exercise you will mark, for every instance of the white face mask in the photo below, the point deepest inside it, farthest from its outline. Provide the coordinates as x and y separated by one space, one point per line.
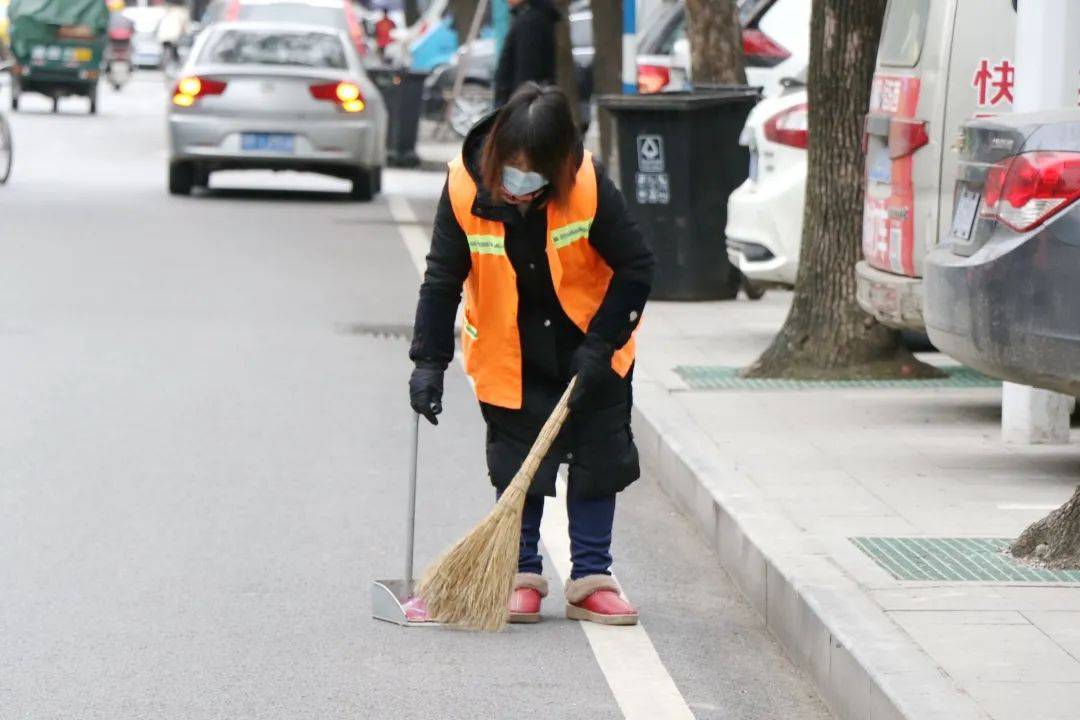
518 183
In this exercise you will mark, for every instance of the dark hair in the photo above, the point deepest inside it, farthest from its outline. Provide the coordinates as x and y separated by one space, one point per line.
539 123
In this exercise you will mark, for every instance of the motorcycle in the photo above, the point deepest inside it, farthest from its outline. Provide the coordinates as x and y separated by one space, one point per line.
118 51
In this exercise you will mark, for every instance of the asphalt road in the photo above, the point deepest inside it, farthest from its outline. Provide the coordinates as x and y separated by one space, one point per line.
203 431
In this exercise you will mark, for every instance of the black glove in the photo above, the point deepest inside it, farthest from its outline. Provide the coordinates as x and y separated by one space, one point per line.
591 364
425 390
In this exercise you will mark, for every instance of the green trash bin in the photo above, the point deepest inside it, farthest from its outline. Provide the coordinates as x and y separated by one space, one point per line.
403 92
679 160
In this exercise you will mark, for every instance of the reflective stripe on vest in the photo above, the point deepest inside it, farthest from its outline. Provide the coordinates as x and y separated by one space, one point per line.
490 338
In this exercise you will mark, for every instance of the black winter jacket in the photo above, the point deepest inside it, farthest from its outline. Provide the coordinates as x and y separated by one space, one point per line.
597 440
528 52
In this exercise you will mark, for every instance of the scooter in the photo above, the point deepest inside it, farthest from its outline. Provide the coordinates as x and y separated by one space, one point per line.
118 54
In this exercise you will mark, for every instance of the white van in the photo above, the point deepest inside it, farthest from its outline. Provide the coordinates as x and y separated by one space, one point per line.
940 63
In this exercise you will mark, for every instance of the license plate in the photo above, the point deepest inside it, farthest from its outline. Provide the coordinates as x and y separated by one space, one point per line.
269 142
83 55
881 167
964 216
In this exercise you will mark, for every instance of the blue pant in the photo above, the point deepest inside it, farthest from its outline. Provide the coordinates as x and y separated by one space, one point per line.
590 535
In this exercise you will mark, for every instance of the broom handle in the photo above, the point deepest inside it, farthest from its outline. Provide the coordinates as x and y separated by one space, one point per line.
523 479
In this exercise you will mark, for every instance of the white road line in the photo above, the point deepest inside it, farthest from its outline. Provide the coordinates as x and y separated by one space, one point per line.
641 685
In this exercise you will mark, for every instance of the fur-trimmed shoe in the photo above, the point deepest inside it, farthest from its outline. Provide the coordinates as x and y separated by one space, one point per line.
597 598
529 590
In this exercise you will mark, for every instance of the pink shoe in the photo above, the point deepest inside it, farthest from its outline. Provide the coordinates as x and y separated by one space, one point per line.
416 610
596 598
529 590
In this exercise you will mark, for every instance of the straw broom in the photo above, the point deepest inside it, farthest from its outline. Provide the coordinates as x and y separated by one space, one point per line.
470 585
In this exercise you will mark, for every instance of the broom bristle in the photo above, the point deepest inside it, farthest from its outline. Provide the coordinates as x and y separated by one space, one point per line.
469 586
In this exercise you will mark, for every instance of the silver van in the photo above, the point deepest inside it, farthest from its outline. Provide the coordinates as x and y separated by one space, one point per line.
940 63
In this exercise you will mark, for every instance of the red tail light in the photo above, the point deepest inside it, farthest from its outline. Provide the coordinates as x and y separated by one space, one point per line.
906 136
761 50
789 127
652 78
191 88
346 94
120 34
1025 191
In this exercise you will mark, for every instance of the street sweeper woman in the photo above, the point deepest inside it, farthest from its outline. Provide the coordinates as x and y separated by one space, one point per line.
555 277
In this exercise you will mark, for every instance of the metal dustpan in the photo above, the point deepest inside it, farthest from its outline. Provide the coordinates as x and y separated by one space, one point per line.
393 600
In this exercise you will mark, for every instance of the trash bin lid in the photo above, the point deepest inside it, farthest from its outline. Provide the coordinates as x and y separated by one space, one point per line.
698 99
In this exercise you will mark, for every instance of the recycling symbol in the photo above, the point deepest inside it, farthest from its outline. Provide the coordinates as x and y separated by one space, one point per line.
650 153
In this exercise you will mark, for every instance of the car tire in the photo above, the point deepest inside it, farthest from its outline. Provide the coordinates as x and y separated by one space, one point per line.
181 177
200 177
15 92
93 101
365 184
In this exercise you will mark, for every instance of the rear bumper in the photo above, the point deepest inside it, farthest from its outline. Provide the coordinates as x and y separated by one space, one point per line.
894 300
1011 309
340 141
764 232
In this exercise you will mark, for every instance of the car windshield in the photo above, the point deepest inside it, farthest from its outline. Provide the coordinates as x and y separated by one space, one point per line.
902 37
294 12
274 47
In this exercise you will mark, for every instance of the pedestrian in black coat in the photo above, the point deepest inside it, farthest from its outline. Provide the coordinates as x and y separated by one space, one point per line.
528 52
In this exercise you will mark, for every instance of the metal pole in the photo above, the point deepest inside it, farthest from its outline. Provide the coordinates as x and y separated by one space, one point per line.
410 521
629 48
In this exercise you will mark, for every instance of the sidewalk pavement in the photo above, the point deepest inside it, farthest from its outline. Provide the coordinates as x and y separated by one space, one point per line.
780 480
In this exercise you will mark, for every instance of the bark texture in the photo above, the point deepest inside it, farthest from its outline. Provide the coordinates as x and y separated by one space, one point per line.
826 334
461 13
607 66
1053 541
715 35
565 71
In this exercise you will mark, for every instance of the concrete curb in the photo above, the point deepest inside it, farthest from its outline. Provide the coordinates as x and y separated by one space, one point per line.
864 666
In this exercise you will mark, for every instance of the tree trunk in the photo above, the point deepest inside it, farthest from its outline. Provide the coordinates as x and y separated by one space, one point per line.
607 66
826 334
412 12
715 37
1053 541
461 14
565 70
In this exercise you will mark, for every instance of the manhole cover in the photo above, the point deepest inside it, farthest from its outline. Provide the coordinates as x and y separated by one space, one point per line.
955 560
718 377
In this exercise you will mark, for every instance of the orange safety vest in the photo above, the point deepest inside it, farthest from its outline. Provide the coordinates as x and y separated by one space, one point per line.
489 337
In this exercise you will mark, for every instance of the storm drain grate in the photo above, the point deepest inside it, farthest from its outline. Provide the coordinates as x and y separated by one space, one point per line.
718 377
955 559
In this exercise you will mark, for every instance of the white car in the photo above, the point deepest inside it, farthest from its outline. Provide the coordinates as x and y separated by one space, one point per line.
765 213
280 97
147 50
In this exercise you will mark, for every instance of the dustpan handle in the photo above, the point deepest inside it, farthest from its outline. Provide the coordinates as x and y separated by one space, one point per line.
523 479
410 520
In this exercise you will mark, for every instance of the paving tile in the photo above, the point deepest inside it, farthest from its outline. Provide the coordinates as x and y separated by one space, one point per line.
1026 599
1062 626
954 597
1027 700
989 652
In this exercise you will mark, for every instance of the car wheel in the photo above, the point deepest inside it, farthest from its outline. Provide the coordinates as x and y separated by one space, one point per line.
364 184
93 101
6 150
200 177
56 104
181 177
15 91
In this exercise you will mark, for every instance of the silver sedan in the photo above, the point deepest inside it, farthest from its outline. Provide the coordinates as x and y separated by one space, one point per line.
275 96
